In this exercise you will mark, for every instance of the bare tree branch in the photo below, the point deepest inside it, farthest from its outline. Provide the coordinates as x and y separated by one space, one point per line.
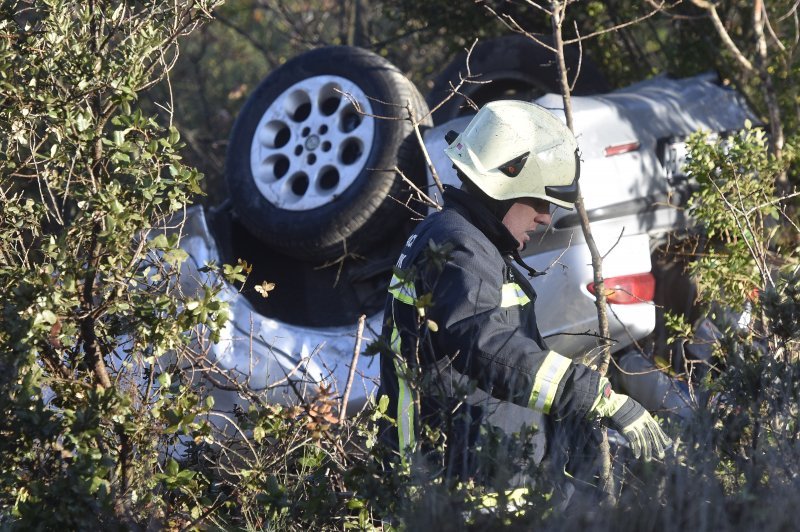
724 35
427 199
514 26
352 372
775 38
658 8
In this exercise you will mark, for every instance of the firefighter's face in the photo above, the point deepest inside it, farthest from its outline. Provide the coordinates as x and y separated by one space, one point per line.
526 214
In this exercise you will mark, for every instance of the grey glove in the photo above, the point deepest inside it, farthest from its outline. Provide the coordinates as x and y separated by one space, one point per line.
642 431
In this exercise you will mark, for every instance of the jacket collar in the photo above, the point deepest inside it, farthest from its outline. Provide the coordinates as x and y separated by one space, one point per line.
481 217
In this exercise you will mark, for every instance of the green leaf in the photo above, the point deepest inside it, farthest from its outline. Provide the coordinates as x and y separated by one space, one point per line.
82 122
355 504
159 241
309 461
165 380
172 467
121 157
383 404
47 317
175 256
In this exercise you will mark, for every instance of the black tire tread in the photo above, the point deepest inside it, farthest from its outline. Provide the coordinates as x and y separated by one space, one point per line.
511 58
359 217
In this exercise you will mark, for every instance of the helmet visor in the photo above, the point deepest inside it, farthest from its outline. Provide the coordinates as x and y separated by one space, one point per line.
568 193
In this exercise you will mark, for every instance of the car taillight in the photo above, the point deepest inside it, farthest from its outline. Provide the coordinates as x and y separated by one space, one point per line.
628 289
621 148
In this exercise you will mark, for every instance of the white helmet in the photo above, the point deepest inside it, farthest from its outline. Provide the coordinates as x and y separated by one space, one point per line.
513 149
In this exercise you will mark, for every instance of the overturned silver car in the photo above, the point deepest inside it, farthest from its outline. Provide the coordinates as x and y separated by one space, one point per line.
326 177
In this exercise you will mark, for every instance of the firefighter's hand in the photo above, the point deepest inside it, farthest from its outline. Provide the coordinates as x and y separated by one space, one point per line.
642 431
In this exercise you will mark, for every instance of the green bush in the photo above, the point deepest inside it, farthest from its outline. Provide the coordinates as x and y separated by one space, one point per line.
84 175
107 420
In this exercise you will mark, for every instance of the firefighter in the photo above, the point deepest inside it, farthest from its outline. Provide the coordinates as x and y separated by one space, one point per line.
460 310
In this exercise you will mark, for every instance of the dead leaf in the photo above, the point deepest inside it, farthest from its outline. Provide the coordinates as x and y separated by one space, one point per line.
265 288
246 268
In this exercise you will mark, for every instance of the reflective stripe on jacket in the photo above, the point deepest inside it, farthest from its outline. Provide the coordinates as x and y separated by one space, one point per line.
456 306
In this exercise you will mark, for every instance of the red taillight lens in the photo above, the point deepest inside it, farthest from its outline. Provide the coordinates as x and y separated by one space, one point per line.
628 289
619 149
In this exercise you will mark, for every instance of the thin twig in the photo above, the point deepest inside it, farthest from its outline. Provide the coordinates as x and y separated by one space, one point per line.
778 42
765 276
415 125
467 78
557 259
585 333
514 26
352 373
580 58
658 8
255 43
607 253
771 202
419 191
792 11
756 250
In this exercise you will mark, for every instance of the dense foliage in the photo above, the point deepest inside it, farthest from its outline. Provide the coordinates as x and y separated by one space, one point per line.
84 174
107 420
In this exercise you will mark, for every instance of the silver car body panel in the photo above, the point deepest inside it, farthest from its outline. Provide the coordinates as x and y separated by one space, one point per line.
261 351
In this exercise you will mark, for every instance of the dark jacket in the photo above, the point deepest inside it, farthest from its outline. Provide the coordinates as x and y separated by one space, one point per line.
459 315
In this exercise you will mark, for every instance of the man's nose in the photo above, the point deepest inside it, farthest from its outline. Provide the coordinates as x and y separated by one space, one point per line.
542 219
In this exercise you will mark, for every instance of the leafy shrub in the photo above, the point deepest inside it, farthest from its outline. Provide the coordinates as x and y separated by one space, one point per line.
107 420
88 411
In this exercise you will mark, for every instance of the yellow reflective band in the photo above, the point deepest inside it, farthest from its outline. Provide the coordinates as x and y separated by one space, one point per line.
395 340
405 403
403 291
512 294
545 384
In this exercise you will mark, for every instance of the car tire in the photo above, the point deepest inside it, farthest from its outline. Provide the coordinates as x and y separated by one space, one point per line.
514 67
313 157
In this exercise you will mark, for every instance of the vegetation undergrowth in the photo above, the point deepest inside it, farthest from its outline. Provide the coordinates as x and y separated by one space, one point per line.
109 418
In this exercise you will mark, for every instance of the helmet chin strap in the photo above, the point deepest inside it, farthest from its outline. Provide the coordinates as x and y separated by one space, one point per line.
499 208
518 259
